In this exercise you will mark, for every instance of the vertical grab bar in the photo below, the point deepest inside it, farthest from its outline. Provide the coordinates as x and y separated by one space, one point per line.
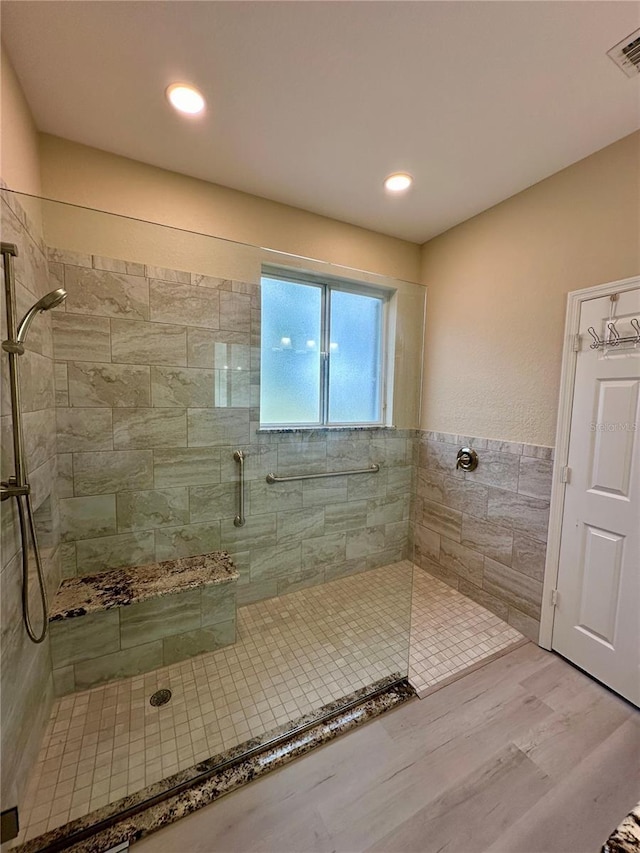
239 457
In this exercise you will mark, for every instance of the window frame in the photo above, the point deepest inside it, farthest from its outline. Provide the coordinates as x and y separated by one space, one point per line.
327 284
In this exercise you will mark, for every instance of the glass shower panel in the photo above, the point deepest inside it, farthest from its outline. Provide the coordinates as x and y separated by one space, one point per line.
154 377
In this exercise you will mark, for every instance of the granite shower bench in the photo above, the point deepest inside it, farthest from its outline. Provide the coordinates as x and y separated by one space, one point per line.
127 621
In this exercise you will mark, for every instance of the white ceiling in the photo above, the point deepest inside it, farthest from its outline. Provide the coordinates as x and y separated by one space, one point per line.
314 103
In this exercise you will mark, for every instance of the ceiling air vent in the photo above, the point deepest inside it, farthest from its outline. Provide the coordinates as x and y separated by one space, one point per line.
626 54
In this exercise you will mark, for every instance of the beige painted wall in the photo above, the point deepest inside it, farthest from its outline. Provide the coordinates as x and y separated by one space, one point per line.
497 288
92 178
19 158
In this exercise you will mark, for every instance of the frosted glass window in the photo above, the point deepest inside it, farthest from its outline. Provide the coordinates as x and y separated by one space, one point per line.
290 390
354 358
321 354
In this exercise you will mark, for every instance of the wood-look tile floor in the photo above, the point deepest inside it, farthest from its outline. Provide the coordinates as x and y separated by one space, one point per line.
525 755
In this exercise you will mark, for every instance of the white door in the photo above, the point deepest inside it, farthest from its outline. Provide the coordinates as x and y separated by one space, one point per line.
597 617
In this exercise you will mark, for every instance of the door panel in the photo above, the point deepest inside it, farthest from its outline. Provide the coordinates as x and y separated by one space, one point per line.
597 618
600 584
613 450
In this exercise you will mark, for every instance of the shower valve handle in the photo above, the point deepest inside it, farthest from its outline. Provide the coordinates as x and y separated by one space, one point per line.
467 459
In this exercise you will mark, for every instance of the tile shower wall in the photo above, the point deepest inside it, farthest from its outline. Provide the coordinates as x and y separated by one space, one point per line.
26 683
484 532
157 383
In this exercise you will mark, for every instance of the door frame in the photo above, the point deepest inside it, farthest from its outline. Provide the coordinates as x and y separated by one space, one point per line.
575 299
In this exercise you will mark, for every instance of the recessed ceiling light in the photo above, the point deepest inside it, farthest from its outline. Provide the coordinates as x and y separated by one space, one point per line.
185 98
398 182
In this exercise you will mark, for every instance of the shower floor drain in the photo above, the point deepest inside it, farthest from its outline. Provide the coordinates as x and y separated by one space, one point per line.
160 697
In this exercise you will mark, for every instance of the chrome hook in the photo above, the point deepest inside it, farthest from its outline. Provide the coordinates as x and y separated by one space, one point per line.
596 340
614 335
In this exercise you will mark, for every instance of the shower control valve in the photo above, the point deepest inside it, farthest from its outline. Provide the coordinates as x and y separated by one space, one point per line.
467 459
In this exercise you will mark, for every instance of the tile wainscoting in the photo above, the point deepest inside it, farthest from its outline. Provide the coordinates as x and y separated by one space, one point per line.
157 384
484 532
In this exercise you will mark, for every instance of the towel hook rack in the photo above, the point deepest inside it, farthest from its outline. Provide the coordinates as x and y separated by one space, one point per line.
614 339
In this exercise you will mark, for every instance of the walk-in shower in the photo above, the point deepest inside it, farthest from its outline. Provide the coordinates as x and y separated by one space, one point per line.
17 486
136 400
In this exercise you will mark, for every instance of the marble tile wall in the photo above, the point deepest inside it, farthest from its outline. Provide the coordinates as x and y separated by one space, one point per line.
25 668
157 383
484 532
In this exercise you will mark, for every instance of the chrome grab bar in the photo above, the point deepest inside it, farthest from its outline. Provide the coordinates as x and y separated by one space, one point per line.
239 520
273 478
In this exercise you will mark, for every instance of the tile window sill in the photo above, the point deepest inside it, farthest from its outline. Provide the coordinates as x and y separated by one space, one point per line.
276 430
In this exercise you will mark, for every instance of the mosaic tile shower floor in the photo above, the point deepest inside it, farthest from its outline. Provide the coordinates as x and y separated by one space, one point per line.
450 633
294 653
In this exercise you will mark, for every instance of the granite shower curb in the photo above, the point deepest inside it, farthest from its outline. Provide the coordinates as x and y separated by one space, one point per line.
626 837
203 784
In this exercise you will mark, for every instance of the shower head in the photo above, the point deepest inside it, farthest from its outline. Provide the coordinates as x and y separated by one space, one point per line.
53 298
50 300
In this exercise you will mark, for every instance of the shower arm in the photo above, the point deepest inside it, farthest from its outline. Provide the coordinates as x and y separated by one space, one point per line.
15 485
